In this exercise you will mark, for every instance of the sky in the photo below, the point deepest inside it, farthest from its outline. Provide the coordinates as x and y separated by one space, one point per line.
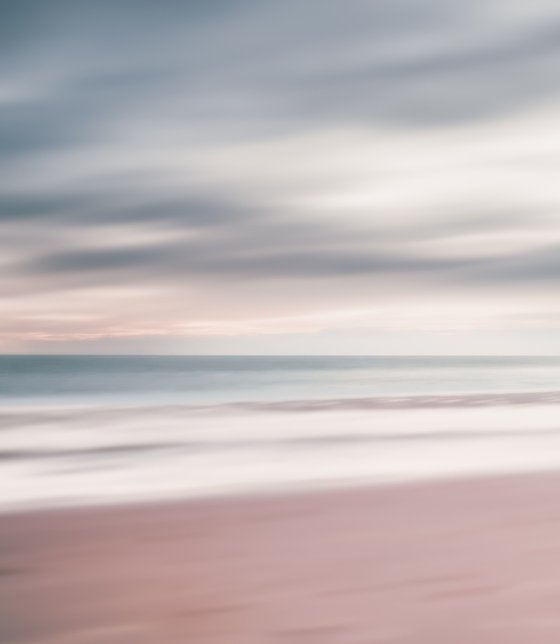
316 177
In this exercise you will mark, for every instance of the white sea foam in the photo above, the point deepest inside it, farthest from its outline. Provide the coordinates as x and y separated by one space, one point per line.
80 456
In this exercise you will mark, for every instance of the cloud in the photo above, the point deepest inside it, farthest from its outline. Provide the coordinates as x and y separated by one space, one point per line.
173 262
179 162
91 207
245 67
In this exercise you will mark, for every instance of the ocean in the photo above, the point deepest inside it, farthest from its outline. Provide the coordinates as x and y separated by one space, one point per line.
78 430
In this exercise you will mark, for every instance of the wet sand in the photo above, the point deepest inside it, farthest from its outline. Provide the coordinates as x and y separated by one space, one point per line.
471 562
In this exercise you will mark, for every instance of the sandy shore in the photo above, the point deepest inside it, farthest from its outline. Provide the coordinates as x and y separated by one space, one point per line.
443 563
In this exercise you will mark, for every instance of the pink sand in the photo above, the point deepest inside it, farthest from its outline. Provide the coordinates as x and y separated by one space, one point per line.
445 563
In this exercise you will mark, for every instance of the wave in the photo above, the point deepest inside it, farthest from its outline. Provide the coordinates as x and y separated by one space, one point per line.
318 442
81 454
25 415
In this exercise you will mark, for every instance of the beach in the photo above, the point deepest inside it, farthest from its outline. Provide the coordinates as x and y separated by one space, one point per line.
448 562
279 322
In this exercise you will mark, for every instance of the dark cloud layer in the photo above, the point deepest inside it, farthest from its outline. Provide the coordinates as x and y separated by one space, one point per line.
245 66
261 251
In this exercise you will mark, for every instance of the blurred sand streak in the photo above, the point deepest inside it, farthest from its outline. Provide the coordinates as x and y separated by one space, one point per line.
439 563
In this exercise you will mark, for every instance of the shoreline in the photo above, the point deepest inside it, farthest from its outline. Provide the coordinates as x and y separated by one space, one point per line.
283 491
327 487
429 562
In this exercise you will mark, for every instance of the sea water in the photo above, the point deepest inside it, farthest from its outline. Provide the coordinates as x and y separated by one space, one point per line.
98 429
